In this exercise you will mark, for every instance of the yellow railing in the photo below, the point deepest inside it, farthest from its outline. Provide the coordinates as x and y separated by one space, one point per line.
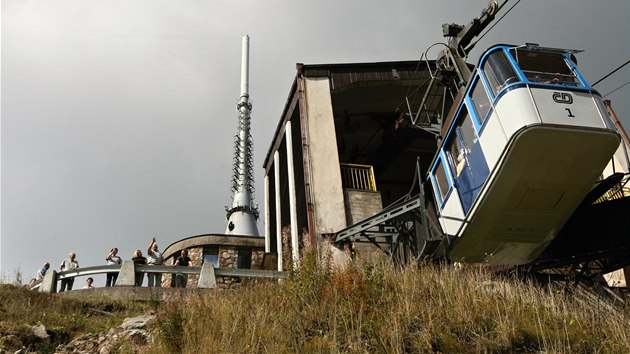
617 192
358 177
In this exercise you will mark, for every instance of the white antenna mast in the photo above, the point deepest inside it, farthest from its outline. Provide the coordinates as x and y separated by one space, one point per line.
243 214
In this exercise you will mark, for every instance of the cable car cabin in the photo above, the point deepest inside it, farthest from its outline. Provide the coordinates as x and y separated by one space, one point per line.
528 141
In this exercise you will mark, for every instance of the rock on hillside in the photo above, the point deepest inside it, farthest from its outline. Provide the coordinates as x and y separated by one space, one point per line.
132 332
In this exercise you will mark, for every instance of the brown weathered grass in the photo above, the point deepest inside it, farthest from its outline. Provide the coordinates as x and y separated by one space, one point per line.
371 307
366 307
63 318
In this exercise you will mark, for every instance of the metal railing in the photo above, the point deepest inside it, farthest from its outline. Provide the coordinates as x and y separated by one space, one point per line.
359 177
127 273
620 190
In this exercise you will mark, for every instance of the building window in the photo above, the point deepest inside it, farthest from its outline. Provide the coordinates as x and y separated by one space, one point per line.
211 255
244 260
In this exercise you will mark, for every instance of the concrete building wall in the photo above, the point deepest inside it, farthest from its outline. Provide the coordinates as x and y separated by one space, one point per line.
361 205
327 190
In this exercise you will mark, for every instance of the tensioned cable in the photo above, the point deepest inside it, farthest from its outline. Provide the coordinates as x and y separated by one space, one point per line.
434 44
610 73
618 88
496 23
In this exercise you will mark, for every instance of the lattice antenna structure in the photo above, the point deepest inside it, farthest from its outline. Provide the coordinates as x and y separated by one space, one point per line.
242 216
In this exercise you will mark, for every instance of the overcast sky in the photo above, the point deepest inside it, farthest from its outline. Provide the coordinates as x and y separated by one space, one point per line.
118 117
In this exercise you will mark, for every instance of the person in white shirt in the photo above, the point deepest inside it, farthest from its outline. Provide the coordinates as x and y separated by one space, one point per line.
154 257
88 284
112 259
68 265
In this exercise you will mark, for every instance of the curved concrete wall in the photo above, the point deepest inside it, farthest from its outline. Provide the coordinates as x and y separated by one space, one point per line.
213 239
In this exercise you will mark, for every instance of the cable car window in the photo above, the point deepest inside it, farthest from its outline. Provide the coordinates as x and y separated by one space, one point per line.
498 71
481 101
461 143
547 68
442 182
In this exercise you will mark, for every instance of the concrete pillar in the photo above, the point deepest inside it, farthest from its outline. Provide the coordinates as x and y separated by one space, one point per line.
127 275
292 202
326 186
207 278
276 171
267 216
49 283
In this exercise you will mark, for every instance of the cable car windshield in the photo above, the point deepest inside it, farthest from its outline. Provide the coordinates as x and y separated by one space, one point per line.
498 71
546 68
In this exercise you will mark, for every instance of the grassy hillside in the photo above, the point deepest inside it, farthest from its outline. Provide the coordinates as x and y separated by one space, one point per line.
63 319
374 308
368 307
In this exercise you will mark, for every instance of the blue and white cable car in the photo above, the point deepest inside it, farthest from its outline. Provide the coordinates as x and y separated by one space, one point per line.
527 142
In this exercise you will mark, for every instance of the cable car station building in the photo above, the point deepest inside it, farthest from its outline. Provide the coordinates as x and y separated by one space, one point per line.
346 150
342 150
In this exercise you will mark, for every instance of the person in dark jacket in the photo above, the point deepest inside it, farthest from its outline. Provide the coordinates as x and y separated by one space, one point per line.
183 261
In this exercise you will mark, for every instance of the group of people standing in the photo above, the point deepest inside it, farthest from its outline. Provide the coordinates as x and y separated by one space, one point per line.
154 257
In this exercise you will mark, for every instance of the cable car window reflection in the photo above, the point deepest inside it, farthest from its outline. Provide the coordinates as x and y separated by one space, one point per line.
442 182
461 143
498 71
546 68
481 101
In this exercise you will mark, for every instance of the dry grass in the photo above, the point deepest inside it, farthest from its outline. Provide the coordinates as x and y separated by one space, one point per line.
63 319
367 307
370 307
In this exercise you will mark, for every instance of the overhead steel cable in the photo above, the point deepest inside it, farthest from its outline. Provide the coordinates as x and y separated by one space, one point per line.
494 24
610 73
618 88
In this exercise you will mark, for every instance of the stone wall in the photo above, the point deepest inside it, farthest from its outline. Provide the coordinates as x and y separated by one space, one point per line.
228 258
196 257
257 259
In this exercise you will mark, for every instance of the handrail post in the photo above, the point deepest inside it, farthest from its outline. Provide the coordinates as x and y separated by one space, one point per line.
207 277
127 274
49 283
